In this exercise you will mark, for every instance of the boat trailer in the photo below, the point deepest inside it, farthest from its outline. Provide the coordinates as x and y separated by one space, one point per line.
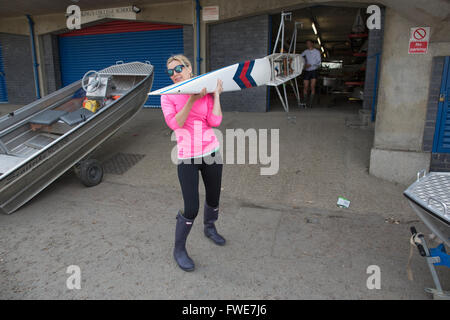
429 196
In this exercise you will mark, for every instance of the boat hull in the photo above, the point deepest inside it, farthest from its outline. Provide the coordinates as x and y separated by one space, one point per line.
247 74
272 70
438 227
39 171
429 197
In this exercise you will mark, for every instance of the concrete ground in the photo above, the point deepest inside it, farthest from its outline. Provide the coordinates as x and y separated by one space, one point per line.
287 239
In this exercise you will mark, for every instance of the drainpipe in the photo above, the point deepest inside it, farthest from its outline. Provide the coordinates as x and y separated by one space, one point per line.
375 86
199 58
33 51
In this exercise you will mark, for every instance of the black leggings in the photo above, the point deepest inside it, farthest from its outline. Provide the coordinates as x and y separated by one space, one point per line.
189 178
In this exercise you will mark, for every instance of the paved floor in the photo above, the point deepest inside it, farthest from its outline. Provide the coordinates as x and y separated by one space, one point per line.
287 239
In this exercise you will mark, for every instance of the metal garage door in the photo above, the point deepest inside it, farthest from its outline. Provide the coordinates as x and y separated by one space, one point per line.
3 93
94 48
442 136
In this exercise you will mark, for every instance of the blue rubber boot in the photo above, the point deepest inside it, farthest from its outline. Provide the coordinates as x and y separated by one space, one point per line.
210 216
180 254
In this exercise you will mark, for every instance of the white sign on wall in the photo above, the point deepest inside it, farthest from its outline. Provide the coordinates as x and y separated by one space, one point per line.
210 13
76 17
111 13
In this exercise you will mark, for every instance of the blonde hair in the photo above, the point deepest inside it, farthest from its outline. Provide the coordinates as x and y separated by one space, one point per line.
181 59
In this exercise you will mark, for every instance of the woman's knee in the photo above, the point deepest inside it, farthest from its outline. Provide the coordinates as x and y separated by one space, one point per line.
213 195
191 211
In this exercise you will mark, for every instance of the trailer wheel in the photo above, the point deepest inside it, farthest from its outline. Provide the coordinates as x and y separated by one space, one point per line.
90 172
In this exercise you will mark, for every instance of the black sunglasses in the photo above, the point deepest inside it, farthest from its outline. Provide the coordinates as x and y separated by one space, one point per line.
178 69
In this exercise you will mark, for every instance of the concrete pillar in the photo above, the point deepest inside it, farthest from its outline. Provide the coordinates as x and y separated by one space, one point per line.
50 63
402 99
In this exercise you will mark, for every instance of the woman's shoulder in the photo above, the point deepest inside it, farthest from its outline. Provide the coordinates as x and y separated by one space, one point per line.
167 102
174 98
165 98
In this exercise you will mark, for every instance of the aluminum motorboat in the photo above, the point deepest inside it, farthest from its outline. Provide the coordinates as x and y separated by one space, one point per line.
42 140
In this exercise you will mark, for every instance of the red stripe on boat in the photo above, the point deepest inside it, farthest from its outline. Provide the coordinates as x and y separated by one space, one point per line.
243 76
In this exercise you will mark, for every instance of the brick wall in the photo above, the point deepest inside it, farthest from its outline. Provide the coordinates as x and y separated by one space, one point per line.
18 67
440 162
50 60
237 41
188 43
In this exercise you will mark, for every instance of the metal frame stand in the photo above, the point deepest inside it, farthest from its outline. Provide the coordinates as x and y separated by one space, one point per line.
292 49
434 257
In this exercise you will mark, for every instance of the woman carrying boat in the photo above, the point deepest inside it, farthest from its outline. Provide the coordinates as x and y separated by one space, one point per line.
192 118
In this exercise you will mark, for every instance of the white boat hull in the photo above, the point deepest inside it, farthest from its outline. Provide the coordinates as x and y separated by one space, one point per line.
236 77
271 70
284 67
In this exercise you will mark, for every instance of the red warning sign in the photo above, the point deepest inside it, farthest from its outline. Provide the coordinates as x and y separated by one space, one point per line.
418 40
